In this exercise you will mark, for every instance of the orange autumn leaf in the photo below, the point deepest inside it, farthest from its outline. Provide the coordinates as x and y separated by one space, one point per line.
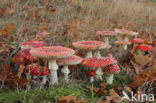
7 30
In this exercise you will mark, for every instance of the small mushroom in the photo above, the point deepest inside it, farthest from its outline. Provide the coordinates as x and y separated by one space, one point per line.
107 34
126 33
111 70
52 53
44 73
34 70
98 63
91 74
90 46
72 60
123 43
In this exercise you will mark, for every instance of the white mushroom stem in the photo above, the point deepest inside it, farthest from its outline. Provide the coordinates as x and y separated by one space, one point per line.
65 71
109 79
53 71
34 77
107 40
99 73
91 79
125 47
44 79
126 39
97 54
89 54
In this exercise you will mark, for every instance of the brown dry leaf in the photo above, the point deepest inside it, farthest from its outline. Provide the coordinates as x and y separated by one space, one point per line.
70 99
98 91
17 83
66 99
7 30
101 89
5 70
11 11
91 88
137 68
20 70
114 96
81 101
144 76
142 59
2 11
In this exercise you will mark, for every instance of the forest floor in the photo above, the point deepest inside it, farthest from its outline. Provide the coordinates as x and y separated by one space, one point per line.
62 22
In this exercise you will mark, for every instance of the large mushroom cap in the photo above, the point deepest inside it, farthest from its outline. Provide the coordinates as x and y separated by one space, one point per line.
136 41
31 44
123 42
126 32
144 47
52 52
72 60
89 45
111 69
98 62
109 33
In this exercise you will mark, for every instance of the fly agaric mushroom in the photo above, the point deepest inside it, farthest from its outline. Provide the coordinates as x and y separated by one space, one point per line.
106 34
98 63
123 43
111 70
44 73
24 54
52 53
31 44
72 60
34 70
144 48
136 41
91 74
126 33
90 46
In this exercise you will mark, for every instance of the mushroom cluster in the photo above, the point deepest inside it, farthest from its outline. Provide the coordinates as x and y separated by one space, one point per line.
100 64
63 56
126 34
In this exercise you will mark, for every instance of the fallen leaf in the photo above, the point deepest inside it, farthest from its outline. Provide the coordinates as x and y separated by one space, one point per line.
20 70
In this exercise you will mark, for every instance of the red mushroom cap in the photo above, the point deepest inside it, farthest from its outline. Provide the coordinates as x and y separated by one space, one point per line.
144 47
91 73
123 42
109 33
137 41
126 32
98 62
89 45
33 69
111 69
25 54
52 52
45 71
72 60
31 44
